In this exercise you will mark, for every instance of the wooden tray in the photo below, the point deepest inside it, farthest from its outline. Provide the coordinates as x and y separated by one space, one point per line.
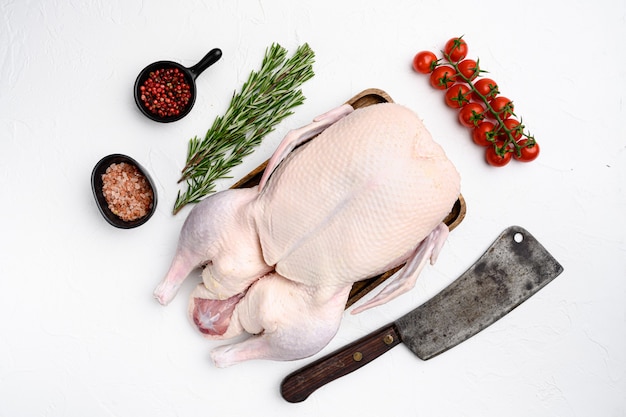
361 288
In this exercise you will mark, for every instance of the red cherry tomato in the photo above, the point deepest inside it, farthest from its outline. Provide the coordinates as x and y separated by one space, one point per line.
487 87
457 96
455 49
424 62
496 160
482 134
442 77
502 106
515 127
468 68
471 114
528 152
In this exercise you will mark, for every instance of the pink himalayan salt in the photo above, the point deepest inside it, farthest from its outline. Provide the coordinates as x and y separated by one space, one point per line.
127 191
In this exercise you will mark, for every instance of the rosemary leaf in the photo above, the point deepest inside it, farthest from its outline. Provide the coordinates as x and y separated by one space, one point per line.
265 99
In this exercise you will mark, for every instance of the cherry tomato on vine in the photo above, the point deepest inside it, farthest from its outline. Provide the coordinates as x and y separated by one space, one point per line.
424 62
442 77
482 133
468 68
487 87
493 159
515 127
456 49
528 152
457 96
502 106
471 114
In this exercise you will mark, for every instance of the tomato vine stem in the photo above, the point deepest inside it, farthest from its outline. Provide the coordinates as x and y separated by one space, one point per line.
500 150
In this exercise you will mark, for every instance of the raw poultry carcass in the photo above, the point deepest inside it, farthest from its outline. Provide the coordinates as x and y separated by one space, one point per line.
367 194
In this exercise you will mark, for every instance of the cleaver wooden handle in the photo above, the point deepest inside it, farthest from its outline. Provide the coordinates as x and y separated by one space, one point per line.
298 385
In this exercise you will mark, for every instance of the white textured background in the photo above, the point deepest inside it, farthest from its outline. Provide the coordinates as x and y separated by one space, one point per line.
79 331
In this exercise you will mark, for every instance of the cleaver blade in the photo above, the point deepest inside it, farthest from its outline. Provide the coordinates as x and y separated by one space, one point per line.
510 271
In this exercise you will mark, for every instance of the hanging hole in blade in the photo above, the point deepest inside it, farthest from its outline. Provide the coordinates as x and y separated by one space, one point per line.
518 237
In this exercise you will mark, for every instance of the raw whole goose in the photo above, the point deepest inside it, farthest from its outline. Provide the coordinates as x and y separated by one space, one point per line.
367 194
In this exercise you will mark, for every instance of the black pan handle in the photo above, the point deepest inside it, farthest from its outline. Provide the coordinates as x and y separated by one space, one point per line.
209 59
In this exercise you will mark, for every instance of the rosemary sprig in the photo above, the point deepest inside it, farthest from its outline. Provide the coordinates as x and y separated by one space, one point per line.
267 97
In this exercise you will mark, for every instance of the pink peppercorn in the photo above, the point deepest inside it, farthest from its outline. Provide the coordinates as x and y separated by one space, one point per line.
165 92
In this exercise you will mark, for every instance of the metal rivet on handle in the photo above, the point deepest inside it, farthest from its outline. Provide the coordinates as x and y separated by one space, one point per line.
388 339
357 356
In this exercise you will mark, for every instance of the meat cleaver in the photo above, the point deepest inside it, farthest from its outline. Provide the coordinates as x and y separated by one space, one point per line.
512 269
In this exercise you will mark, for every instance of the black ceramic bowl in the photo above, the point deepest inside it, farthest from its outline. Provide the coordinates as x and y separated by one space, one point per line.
96 187
190 75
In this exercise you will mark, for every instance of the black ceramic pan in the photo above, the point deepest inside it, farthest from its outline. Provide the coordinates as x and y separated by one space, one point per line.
190 75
